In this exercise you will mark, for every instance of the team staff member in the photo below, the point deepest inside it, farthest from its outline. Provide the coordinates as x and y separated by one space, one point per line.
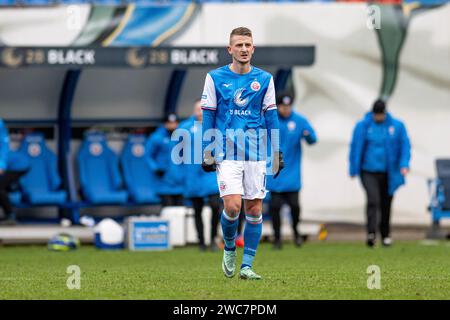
12 167
170 179
285 189
200 185
380 152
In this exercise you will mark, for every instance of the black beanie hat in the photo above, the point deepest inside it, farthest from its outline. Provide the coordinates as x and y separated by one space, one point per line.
379 106
171 117
284 98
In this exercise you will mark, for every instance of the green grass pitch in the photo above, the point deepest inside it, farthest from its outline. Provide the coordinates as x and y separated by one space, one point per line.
409 270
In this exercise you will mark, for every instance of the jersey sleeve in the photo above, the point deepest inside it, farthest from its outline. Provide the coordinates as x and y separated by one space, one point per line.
209 99
269 102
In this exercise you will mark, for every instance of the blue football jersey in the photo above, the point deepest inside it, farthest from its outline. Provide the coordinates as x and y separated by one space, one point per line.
239 102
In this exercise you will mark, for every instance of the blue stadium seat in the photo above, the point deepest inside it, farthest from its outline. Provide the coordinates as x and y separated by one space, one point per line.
100 178
41 184
139 178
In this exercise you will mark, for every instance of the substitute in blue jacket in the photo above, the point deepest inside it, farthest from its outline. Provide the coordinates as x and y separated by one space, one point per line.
379 153
12 167
286 187
198 184
170 176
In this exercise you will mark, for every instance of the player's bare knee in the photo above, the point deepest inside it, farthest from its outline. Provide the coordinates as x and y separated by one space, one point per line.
232 205
233 209
255 212
253 207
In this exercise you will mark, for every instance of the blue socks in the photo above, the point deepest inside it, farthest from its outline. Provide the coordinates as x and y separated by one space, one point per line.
229 230
252 236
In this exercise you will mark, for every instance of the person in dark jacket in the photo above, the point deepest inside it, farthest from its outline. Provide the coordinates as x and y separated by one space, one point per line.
380 152
12 167
285 189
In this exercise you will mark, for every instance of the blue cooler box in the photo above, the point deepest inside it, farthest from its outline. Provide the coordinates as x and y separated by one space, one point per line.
148 234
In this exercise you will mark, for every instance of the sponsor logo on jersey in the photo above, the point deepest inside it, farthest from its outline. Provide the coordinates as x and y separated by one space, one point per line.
238 98
240 112
255 85
226 85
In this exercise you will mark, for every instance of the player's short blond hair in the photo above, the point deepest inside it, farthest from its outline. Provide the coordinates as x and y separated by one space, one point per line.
241 31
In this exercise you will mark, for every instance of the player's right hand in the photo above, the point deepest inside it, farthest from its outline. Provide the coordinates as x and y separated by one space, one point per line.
278 163
208 163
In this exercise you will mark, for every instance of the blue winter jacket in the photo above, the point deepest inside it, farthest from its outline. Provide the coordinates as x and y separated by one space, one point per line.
10 160
398 149
292 131
197 183
159 146
4 146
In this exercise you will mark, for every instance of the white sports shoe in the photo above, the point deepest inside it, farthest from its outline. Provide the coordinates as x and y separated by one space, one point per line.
387 242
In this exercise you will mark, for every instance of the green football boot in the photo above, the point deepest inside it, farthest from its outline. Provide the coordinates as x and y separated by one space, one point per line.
229 263
248 274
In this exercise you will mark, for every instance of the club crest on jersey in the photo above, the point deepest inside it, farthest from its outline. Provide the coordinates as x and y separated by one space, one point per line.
238 99
291 125
222 185
255 85
391 130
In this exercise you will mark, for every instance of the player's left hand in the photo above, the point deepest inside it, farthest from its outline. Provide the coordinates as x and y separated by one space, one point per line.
278 163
